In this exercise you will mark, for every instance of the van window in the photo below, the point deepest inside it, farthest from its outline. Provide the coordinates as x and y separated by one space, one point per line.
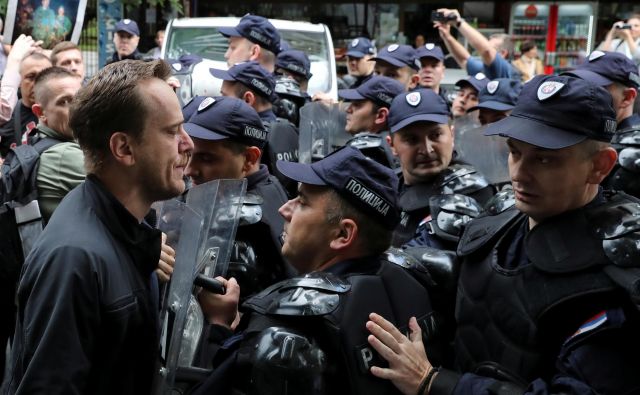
208 43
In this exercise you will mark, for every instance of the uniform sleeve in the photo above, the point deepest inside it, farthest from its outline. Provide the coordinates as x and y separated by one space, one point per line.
61 169
599 360
58 320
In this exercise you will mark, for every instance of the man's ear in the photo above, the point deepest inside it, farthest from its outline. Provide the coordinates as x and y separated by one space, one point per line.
37 110
389 139
251 158
249 98
381 116
255 52
603 162
413 83
122 149
347 234
629 97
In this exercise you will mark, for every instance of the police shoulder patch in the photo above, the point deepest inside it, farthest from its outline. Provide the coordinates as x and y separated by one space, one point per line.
492 86
430 46
413 98
355 42
392 47
548 89
206 103
595 55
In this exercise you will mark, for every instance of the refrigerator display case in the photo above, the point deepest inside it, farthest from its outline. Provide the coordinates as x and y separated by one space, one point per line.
563 32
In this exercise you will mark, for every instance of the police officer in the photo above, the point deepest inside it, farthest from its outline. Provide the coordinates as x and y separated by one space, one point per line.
295 64
367 116
423 142
253 38
432 68
126 41
228 141
497 99
359 51
252 83
369 104
619 75
467 94
304 335
543 299
398 62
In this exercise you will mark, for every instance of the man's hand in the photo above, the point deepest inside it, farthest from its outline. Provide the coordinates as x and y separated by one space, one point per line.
221 309
447 12
444 29
408 363
23 46
323 97
167 261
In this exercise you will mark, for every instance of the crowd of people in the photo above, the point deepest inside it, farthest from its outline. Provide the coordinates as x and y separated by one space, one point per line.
390 265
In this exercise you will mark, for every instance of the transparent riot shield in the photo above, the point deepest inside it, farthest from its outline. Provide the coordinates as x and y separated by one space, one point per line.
201 231
488 154
321 130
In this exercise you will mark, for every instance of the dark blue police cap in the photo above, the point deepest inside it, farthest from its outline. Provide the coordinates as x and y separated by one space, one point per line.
128 25
500 94
555 112
359 47
430 50
605 68
256 29
415 106
380 90
366 184
192 105
219 118
294 61
477 82
251 74
399 56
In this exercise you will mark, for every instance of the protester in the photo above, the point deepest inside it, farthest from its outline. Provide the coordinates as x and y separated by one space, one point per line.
23 120
92 326
154 53
68 56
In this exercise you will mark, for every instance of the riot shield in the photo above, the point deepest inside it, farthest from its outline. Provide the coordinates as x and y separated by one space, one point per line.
321 130
488 154
201 231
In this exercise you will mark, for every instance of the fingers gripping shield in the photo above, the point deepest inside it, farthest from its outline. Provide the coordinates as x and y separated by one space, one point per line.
202 232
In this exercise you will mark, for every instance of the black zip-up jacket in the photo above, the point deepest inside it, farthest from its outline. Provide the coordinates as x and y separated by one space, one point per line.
87 301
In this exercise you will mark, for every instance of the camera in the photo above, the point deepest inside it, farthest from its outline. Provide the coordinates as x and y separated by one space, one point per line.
439 17
623 26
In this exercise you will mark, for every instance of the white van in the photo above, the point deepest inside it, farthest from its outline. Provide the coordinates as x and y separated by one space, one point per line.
200 36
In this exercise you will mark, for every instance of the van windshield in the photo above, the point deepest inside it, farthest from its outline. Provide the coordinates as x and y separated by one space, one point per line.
208 43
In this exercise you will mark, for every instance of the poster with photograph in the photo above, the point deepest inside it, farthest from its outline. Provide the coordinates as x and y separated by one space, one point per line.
50 21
